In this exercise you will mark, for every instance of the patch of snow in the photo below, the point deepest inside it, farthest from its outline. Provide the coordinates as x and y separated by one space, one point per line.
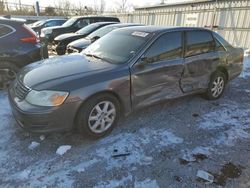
4 103
147 183
42 137
247 90
246 52
24 174
227 115
230 136
133 145
188 155
115 183
246 68
205 176
85 165
33 145
63 149
230 120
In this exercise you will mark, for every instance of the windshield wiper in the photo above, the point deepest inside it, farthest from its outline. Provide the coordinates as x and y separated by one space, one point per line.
98 57
94 55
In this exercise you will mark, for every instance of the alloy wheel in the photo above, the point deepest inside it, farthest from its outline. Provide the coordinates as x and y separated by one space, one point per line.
101 117
218 86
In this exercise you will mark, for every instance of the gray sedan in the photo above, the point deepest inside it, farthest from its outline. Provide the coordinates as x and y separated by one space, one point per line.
127 69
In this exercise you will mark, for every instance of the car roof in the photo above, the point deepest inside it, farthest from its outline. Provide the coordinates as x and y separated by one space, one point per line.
77 17
102 23
157 29
55 19
124 24
10 21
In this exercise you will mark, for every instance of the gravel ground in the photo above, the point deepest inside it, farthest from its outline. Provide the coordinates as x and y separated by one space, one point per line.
162 146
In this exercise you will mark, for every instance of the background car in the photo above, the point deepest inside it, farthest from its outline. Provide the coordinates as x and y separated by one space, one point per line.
37 26
72 25
19 46
60 43
80 44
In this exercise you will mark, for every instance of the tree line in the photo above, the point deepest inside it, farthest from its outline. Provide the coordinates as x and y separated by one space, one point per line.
64 8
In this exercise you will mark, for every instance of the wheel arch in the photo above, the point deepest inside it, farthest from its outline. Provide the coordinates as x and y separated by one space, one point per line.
104 92
224 70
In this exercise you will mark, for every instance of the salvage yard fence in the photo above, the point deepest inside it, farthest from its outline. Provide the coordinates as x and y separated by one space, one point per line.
230 18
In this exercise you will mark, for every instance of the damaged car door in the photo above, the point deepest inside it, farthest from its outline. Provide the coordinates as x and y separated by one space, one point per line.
157 73
202 57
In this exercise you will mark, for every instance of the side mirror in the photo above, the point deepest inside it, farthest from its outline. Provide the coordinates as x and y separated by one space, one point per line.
143 61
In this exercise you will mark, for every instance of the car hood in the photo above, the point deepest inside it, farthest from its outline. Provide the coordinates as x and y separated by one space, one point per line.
80 43
66 36
58 70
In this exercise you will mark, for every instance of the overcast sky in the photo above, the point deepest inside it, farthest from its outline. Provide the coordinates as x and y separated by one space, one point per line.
109 3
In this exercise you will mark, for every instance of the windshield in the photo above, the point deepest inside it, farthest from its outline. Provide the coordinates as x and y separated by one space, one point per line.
101 32
118 46
88 29
69 22
38 23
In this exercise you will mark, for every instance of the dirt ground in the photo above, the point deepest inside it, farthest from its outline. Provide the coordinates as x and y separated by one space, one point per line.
162 146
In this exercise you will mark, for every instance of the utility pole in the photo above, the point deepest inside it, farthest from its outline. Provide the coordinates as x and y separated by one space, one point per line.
37 8
20 5
214 14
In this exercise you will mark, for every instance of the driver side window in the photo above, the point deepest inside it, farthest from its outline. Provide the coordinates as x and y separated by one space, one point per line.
166 47
82 23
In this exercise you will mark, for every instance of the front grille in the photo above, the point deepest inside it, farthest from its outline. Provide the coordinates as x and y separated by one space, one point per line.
20 90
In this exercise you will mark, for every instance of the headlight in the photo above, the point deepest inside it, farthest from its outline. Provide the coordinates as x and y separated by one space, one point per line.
46 98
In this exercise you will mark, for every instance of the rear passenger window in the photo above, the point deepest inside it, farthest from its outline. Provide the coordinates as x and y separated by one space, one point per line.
5 30
166 47
51 23
218 46
198 42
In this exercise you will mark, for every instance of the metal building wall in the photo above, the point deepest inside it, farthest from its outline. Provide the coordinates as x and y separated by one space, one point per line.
231 16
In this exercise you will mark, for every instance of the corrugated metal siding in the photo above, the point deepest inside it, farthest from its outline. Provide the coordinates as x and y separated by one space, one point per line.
231 16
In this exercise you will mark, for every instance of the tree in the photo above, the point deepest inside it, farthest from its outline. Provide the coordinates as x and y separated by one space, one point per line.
1 7
50 11
123 6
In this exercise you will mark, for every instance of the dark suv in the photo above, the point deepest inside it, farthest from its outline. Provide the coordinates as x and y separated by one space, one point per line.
60 43
19 46
72 25
37 26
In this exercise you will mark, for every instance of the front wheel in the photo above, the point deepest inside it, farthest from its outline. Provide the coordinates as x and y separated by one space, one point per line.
216 85
98 116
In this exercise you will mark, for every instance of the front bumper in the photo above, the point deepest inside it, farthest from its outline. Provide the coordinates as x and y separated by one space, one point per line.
42 119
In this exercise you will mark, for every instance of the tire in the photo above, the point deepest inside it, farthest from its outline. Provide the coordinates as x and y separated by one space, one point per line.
86 125
8 73
216 85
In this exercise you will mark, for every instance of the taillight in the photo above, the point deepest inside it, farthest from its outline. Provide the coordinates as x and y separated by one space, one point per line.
30 39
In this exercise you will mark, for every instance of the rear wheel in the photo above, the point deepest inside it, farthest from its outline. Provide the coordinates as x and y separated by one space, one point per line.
99 115
216 85
8 73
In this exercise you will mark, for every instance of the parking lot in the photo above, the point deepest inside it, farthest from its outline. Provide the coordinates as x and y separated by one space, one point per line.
162 145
